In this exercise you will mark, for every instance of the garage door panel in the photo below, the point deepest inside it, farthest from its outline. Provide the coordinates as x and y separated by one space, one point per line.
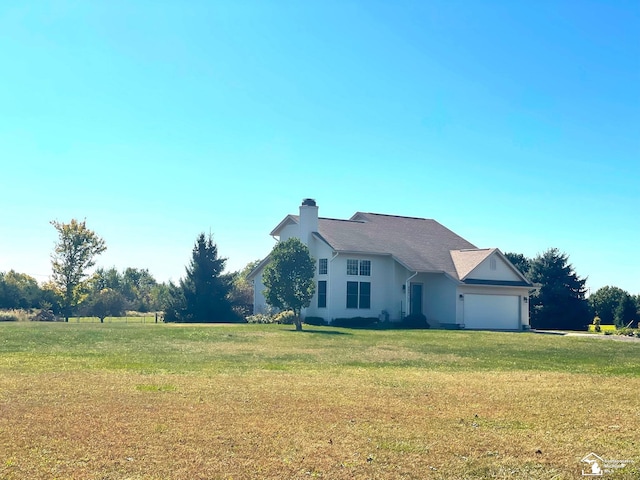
492 311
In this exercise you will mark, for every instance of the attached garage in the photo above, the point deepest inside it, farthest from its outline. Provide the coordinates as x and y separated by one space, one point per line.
499 312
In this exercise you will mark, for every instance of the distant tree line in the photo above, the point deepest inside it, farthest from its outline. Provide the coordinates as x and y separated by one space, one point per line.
560 301
204 295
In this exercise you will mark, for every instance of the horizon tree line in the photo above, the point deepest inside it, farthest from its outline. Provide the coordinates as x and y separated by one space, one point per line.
207 294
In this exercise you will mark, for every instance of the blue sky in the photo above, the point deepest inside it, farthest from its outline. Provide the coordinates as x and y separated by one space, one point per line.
515 124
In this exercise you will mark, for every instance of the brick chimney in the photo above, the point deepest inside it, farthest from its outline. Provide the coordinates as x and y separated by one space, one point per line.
308 219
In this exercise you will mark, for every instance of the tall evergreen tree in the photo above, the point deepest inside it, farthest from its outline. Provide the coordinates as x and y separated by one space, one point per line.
203 292
560 301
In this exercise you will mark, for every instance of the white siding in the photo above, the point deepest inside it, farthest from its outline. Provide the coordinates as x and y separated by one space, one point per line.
291 230
440 304
259 303
502 270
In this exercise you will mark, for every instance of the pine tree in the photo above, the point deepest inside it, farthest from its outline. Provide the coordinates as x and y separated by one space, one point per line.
559 302
204 288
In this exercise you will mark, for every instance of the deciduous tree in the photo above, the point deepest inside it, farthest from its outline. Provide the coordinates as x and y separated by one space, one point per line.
288 278
613 305
105 303
19 290
74 254
241 293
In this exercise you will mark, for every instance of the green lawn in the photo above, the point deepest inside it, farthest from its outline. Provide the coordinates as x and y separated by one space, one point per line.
118 400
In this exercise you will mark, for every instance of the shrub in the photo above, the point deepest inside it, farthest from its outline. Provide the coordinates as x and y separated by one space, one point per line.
44 315
14 316
8 317
625 331
318 321
415 320
596 323
285 318
260 318
355 322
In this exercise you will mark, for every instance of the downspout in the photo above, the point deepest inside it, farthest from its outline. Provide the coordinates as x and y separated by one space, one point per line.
407 292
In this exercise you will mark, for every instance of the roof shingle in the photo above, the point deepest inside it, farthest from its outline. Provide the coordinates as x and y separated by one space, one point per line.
420 244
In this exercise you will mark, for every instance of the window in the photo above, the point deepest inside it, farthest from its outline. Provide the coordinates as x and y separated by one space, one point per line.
365 295
322 294
358 294
352 267
322 266
492 263
359 267
352 294
365 267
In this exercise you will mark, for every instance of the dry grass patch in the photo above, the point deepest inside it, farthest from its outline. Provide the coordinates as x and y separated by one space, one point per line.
296 407
358 424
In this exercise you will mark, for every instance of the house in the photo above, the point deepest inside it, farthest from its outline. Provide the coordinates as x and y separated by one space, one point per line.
389 266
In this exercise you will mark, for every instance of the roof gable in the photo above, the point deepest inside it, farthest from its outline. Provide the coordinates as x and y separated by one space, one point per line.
486 265
467 260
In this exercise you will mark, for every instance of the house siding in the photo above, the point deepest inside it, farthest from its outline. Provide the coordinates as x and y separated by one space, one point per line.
440 304
501 272
259 302
337 278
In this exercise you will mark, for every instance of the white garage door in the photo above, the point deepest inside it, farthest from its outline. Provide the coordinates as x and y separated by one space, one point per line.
500 312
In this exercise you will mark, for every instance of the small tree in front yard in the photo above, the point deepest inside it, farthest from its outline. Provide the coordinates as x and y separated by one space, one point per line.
288 278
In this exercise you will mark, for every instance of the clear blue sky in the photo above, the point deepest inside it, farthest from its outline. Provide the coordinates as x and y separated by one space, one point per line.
515 124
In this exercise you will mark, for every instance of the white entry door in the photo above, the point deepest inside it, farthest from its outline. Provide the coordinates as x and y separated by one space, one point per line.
499 312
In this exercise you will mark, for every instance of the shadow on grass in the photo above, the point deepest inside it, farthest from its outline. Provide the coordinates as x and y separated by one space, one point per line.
321 332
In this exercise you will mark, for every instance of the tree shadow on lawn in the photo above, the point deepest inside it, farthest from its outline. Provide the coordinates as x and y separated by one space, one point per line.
322 332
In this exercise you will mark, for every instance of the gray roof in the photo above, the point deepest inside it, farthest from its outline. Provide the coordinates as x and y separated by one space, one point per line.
420 244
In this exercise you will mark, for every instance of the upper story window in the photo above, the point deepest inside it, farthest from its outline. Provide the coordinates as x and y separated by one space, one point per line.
352 267
323 266
492 263
359 267
365 267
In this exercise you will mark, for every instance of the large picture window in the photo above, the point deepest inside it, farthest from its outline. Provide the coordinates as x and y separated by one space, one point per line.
365 295
359 295
352 294
322 294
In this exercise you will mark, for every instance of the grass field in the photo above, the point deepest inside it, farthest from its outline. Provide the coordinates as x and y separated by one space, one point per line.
156 401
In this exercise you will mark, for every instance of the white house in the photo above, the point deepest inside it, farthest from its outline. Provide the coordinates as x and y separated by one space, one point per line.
375 265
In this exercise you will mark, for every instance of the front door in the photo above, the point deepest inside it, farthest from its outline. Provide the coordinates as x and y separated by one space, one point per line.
415 299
